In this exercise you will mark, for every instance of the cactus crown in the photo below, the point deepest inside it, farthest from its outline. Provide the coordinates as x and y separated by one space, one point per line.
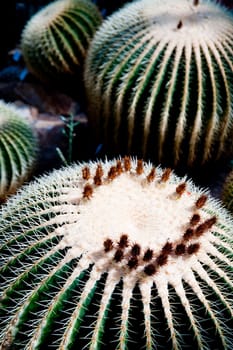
95 252
55 40
164 87
18 150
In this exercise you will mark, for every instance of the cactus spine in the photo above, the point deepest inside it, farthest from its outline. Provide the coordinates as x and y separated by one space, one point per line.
159 81
18 150
227 192
55 40
111 254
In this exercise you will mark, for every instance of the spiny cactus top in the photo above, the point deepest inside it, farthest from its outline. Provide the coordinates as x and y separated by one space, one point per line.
115 255
159 81
227 192
55 40
18 150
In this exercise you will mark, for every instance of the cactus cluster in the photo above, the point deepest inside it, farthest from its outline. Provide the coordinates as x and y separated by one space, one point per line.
115 255
227 192
18 150
55 40
158 79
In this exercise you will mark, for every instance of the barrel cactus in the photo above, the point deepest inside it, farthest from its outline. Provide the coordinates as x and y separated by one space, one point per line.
227 192
55 40
18 150
115 255
158 82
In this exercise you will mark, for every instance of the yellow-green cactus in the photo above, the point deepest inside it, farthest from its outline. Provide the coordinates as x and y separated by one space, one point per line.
55 40
159 81
18 150
115 255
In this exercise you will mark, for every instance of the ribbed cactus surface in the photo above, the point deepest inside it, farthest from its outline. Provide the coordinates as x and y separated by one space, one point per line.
227 192
18 149
55 40
115 255
159 81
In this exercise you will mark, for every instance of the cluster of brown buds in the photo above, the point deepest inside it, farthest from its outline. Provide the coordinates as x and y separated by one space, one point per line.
184 247
132 253
150 260
121 166
113 172
135 256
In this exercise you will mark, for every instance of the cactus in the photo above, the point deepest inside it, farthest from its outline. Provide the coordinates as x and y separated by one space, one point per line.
158 79
18 150
227 192
55 40
115 255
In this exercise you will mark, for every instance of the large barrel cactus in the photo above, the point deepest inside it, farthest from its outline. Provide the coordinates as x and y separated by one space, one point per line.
55 40
18 150
115 255
159 81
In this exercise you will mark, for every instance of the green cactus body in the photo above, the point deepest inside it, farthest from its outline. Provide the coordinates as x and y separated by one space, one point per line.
227 192
55 40
115 255
18 150
158 80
